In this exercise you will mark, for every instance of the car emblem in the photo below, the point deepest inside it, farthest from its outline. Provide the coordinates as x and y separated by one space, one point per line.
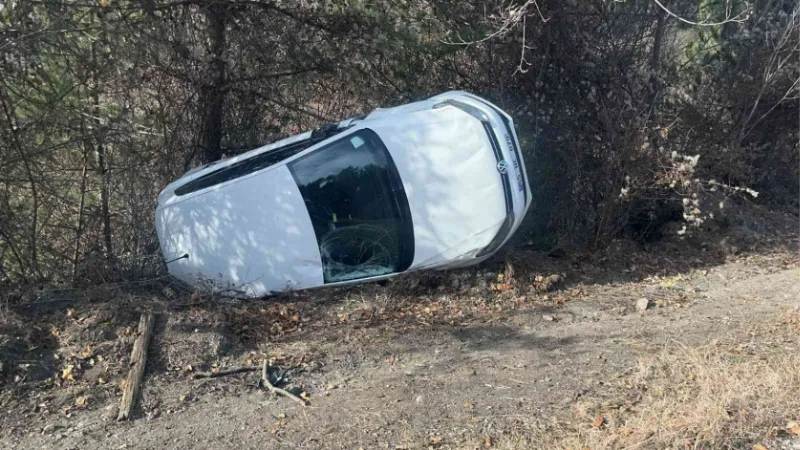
502 167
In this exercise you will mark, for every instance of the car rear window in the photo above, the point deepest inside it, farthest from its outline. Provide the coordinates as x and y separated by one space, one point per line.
244 167
358 207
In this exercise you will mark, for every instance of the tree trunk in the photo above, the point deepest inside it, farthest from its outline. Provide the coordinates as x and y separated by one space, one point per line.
101 157
658 40
79 224
102 168
655 63
213 94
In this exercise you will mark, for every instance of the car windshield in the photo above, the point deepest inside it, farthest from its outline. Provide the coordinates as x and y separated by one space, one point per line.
358 208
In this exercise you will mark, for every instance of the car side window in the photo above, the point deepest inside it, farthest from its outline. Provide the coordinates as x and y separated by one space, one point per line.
242 168
358 207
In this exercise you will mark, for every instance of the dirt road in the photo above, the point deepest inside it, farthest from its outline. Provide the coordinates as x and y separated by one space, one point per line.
575 366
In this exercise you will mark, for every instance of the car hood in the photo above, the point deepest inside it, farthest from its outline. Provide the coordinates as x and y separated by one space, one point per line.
449 174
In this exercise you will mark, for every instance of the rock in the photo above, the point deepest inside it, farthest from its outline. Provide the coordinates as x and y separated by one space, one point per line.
49 428
549 318
420 399
641 305
110 413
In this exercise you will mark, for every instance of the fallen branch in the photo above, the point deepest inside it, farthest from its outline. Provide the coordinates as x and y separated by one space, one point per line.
138 361
276 390
223 373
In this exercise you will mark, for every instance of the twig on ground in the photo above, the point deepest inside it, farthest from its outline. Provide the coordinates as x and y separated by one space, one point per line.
223 373
264 379
276 390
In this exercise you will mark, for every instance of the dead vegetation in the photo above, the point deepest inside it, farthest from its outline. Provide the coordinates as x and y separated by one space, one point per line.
733 394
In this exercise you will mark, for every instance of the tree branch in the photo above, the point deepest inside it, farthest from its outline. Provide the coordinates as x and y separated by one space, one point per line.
739 18
276 390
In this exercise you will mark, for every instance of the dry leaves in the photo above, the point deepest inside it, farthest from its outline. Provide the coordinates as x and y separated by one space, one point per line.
793 428
68 373
759 447
545 283
503 284
280 422
87 353
435 441
598 422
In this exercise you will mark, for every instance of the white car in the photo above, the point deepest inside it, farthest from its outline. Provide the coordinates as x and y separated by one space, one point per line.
435 184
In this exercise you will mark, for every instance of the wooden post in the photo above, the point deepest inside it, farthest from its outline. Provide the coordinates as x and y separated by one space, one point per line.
138 360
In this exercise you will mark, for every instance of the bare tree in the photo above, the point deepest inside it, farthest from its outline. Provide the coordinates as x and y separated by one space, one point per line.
780 70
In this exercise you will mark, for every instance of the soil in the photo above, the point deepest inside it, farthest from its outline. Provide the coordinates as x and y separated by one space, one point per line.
456 360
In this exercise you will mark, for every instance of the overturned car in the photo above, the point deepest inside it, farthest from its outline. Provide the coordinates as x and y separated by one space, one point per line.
435 184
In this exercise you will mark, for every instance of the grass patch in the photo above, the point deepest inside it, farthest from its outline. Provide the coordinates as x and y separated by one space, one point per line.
722 395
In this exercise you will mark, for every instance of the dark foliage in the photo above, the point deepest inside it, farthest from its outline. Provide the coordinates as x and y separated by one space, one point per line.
630 117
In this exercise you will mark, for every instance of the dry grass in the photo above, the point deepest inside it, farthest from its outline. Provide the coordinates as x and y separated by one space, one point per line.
714 399
710 397
731 395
